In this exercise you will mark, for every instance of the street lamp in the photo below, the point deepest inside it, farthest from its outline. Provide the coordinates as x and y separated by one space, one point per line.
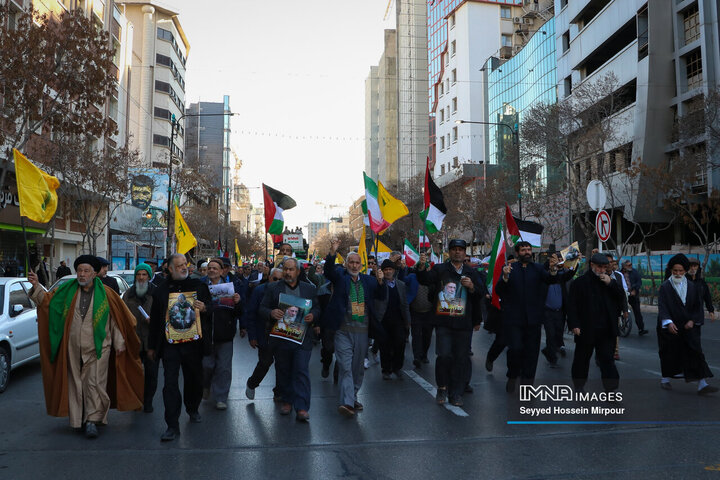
516 143
174 123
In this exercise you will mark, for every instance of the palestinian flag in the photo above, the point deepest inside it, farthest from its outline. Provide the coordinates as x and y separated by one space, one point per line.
495 265
434 210
219 248
423 240
522 230
435 259
411 255
275 203
377 223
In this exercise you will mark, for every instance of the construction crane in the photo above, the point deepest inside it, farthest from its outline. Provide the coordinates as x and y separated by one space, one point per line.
387 10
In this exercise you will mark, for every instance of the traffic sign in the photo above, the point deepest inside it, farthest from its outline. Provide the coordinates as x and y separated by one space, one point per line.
596 195
602 225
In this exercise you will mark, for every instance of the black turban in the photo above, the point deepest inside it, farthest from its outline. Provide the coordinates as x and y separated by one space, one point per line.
91 260
679 259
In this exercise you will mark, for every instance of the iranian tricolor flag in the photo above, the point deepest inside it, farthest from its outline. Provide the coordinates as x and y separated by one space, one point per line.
522 230
434 210
495 266
377 223
423 240
411 255
275 203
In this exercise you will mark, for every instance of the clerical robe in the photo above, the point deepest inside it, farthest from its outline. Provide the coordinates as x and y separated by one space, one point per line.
78 384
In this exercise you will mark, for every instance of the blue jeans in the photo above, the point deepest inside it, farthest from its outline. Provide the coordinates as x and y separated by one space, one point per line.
293 375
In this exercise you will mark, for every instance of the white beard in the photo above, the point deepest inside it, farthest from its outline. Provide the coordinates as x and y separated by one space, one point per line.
141 288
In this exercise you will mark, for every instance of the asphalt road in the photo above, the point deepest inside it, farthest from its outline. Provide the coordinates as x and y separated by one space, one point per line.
401 433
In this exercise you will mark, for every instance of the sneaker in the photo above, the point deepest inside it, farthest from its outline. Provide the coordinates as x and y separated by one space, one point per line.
221 406
302 416
441 396
666 386
195 417
326 371
206 393
91 430
346 411
643 332
250 393
456 401
366 363
358 407
703 391
169 435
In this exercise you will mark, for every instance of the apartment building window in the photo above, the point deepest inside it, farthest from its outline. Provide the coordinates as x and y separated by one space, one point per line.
694 70
447 85
448 140
506 40
453 47
451 21
566 41
453 76
442 116
442 144
563 4
163 60
442 89
505 12
456 163
162 113
454 134
442 169
567 86
454 105
447 59
447 113
161 140
691 24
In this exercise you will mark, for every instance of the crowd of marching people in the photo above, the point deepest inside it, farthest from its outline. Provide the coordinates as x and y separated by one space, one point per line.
98 349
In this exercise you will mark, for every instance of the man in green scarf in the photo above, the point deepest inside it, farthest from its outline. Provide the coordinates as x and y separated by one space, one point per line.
87 335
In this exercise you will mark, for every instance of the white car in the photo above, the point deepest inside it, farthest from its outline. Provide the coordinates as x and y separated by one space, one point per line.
18 327
127 275
122 284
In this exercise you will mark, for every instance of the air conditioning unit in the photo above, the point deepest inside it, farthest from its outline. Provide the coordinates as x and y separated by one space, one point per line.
528 21
517 20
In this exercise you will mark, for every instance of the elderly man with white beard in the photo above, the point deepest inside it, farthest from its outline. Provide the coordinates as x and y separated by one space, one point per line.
139 299
178 351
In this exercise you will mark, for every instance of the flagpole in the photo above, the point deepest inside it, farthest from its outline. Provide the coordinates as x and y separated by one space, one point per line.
27 250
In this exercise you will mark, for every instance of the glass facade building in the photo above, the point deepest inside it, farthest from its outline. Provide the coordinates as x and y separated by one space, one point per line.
526 79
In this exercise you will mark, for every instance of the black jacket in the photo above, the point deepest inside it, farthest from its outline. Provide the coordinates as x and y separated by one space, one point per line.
592 305
523 296
703 290
271 299
111 282
156 336
442 273
223 320
62 271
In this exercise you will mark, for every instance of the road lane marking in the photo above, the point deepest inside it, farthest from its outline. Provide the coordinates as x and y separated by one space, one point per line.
425 385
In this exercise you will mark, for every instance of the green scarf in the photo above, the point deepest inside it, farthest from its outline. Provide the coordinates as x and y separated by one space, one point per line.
60 307
357 301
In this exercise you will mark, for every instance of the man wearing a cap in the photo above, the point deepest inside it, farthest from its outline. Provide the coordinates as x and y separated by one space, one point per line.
634 284
139 299
85 331
395 319
594 301
522 291
104 278
454 326
680 317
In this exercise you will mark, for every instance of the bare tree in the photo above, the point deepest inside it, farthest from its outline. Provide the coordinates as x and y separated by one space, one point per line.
55 72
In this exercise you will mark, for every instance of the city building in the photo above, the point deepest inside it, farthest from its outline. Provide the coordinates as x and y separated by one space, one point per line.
665 60
207 145
314 228
356 217
412 58
339 225
381 108
476 30
159 53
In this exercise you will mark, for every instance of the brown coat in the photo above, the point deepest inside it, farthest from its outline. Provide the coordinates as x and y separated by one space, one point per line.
125 375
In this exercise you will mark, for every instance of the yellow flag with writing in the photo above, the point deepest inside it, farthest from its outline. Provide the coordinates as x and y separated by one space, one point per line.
237 252
37 191
339 260
391 208
185 239
362 251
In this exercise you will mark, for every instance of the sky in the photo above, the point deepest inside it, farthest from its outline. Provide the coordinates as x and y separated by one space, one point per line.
295 73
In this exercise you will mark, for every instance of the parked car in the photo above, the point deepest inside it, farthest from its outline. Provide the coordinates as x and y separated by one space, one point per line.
127 275
121 282
18 327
